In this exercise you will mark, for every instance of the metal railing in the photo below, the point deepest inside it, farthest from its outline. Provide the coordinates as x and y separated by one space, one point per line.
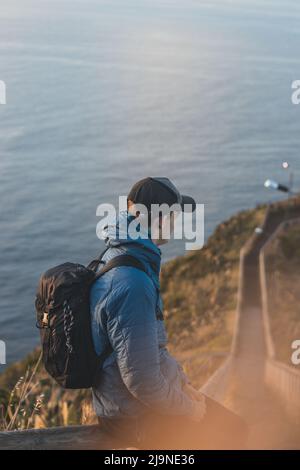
284 380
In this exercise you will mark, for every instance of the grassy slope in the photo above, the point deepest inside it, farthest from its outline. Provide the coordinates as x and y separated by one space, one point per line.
283 265
199 292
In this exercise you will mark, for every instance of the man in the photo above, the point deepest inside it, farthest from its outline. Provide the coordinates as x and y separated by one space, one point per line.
143 395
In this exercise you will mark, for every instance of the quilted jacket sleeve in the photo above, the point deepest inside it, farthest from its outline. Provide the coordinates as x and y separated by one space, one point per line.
132 331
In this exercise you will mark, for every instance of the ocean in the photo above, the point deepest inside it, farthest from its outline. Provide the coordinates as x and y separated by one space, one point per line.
100 93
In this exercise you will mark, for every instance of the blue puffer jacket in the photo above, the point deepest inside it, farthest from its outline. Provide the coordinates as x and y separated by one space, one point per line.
139 374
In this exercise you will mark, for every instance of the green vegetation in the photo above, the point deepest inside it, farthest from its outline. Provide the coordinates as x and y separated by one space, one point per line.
199 292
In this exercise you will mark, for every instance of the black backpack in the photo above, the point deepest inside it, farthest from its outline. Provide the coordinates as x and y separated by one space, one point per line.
63 317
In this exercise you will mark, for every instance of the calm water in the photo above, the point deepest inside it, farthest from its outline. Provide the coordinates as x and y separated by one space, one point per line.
101 93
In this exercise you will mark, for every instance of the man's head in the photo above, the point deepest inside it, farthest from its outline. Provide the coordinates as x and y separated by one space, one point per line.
157 201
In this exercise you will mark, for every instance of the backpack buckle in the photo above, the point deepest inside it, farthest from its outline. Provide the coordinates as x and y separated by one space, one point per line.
45 319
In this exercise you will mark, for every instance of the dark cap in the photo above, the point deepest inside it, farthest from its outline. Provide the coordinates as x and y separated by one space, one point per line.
159 190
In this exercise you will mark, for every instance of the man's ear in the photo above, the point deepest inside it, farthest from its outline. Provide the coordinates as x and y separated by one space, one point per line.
131 208
130 205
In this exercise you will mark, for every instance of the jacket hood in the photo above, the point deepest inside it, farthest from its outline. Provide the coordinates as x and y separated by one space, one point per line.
117 238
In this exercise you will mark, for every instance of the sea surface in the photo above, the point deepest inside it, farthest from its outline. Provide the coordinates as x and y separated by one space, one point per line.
101 93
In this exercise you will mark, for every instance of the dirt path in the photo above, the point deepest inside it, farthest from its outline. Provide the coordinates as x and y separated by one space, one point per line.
247 393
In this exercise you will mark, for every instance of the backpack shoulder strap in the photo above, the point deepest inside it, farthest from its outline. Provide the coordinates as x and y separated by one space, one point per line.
93 265
121 260
128 260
